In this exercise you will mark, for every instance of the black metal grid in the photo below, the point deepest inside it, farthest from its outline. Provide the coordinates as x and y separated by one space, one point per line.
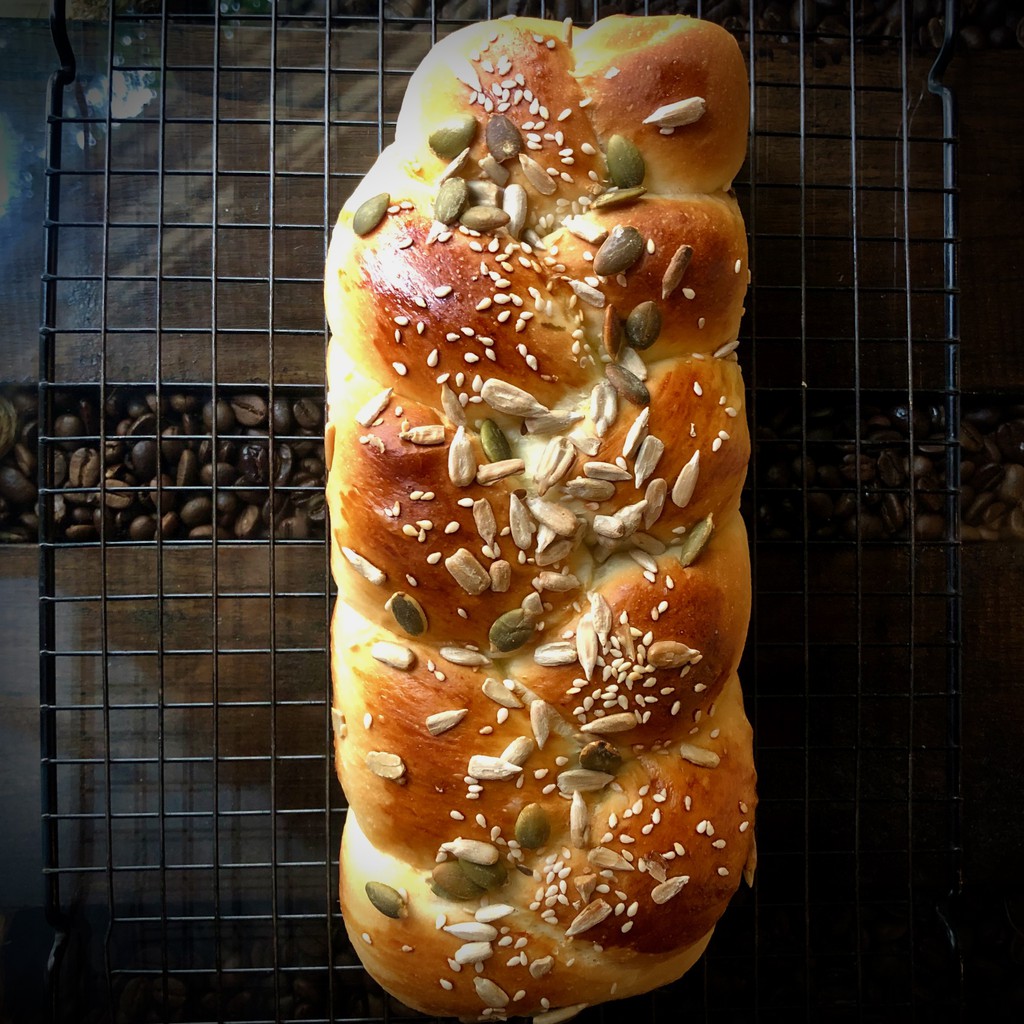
191 817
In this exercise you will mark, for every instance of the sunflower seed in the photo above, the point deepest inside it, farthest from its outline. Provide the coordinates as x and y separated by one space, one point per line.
510 631
498 174
695 541
645 542
542 717
536 175
533 606
449 881
633 361
556 517
452 407
617 197
605 471
609 527
699 756
503 138
670 654
585 886
601 616
451 137
603 407
339 724
374 407
461 459
541 967
554 422
515 203
507 398
407 612
390 902
385 765
628 384
518 751
592 914
620 251
647 459
612 333
555 462
663 892
582 779
454 167
636 434
491 769
497 691
464 656
558 652
602 857
533 827
428 434
611 723
490 994
675 270
483 193
520 522
601 756
472 931
587 293
472 850
749 868
494 912
579 821
558 582
588 444
473 952
442 721
494 442
500 572
495 471
643 325
468 572
370 213
585 229
484 218
451 200
483 516
655 495
391 654
556 552
675 115
589 490
587 645
682 489
365 568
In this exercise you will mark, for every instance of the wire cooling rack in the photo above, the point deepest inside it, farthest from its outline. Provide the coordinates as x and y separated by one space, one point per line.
197 154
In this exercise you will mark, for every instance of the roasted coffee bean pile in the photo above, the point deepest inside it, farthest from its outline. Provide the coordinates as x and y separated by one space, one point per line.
844 491
847 490
178 466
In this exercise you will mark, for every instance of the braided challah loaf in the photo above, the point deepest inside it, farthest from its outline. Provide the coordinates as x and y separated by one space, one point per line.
536 443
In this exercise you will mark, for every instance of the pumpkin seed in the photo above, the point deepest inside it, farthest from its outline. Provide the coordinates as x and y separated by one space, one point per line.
390 902
451 199
601 756
643 325
484 218
627 384
510 630
494 441
696 541
451 137
370 213
617 197
450 882
626 166
533 828
620 250
487 876
408 613
503 138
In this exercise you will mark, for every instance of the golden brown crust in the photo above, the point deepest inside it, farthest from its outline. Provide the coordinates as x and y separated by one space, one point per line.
543 585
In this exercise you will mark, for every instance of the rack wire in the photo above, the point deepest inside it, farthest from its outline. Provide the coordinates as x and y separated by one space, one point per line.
197 155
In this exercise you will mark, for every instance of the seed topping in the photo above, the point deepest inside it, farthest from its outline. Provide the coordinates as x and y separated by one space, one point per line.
370 213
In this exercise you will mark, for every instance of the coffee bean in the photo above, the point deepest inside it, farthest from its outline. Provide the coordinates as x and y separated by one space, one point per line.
894 514
142 528
283 421
1011 488
84 468
308 413
187 472
248 523
16 487
250 410
224 472
929 526
197 510
143 457
68 425
222 416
